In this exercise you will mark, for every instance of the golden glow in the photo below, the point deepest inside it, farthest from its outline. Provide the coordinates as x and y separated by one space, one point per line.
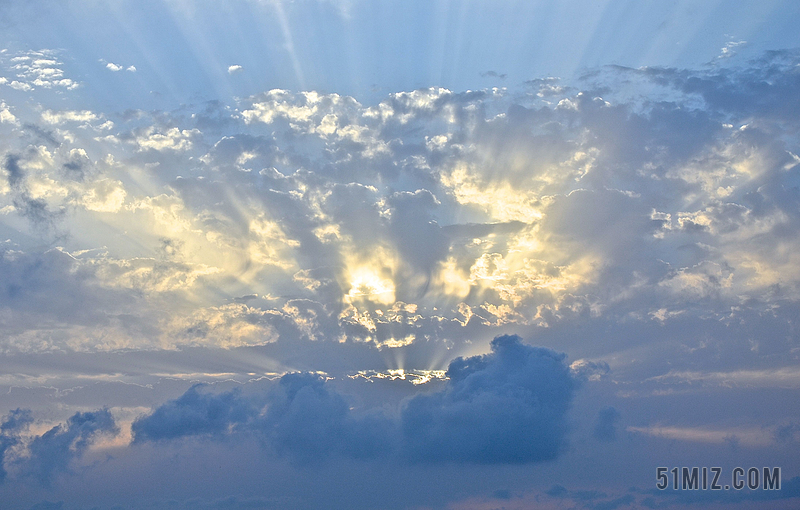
500 200
269 244
371 280
451 280
367 284
394 343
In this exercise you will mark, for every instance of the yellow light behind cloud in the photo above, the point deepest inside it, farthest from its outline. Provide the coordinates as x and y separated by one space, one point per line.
371 280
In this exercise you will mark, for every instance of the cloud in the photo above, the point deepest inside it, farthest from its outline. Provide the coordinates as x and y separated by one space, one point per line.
651 233
299 416
476 210
51 453
750 437
6 116
235 69
508 406
34 208
310 421
10 430
113 67
172 139
729 50
40 69
605 425
194 413
52 117
493 74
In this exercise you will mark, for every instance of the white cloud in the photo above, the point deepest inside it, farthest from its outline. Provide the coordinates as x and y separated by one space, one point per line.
39 69
113 67
730 48
173 139
52 117
20 85
5 114
235 69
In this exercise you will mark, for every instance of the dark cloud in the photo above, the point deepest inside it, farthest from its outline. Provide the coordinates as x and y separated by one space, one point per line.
768 87
605 425
417 236
493 74
304 419
40 134
508 406
36 210
10 429
15 173
310 421
48 505
52 452
194 413
76 166
786 433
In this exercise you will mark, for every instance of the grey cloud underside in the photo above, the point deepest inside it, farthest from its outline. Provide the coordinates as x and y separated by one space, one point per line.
508 406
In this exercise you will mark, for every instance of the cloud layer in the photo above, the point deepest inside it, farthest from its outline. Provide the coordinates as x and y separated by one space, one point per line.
337 268
430 216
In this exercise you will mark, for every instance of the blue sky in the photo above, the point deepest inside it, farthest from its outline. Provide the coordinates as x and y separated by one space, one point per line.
345 254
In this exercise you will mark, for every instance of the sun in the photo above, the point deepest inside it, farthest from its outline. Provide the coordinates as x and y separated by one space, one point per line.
367 284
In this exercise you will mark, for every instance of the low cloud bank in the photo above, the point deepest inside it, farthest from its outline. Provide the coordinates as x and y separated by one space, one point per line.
508 406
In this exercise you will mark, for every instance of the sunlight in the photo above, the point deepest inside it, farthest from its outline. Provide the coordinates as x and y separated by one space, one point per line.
371 280
367 284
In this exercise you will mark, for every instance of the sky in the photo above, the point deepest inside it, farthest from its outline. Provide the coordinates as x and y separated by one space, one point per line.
350 254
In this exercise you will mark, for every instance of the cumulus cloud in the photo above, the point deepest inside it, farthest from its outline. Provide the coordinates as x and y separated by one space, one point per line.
113 67
10 429
508 406
47 455
235 69
173 139
194 413
299 416
5 114
310 421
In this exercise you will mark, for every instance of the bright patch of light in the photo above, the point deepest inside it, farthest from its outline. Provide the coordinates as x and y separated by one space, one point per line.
415 377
